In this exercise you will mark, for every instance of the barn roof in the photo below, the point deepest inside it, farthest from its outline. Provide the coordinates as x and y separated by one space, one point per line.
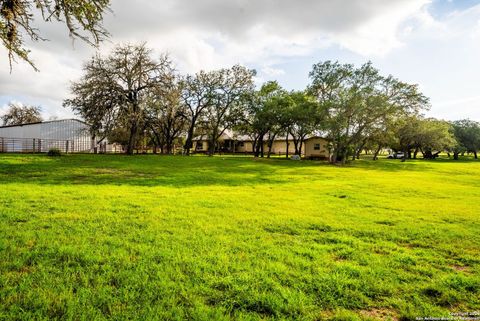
45 122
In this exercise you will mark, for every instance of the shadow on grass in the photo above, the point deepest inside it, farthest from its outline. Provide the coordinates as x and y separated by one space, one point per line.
396 165
147 170
179 171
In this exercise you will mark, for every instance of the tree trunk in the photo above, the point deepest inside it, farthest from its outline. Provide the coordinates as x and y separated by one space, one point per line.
287 144
455 156
377 151
415 153
295 144
258 147
302 139
344 156
211 146
475 154
405 154
188 142
270 145
131 138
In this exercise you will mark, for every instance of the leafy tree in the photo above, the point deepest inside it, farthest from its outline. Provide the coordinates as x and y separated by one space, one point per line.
115 89
227 103
306 116
17 17
429 136
263 115
165 115
357 100
467 134
198 94
381 136
18 114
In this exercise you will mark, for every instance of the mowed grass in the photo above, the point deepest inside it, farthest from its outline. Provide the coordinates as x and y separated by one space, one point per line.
95 237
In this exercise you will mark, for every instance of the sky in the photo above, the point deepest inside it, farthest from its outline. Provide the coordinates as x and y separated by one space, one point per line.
433 43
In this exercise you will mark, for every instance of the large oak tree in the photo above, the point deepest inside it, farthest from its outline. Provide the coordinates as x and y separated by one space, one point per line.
357 100
115 90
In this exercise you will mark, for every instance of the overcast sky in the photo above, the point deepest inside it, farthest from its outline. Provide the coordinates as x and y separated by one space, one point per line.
435 43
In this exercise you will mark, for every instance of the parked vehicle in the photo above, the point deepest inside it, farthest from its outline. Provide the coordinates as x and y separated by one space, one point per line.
396 155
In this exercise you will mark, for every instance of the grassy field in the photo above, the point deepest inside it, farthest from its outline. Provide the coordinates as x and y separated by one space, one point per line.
94 237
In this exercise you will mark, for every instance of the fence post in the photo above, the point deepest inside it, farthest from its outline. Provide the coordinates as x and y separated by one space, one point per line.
66 147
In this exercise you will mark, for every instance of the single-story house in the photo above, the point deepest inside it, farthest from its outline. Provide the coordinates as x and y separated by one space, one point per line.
314 147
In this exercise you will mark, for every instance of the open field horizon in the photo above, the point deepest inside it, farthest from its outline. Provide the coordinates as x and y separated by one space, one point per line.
94 237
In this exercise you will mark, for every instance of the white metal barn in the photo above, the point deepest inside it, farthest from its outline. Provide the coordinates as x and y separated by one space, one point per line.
68 135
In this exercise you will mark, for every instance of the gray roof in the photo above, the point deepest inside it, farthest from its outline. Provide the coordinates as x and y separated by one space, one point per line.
44 122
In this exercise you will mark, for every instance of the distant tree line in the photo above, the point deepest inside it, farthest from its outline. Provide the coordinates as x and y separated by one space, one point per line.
134 99
18 114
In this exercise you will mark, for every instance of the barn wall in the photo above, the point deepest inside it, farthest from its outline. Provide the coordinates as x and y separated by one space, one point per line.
63 134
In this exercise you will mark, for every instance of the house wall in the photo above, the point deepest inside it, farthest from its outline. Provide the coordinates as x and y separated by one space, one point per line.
280 147
246 148
202 144
310 150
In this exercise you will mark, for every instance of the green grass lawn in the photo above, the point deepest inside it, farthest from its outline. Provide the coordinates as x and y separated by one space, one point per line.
94 237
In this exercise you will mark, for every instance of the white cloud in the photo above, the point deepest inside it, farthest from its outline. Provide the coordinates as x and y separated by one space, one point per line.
264 34
272 72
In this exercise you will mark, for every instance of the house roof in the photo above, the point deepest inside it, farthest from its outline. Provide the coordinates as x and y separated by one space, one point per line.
230 135
44 122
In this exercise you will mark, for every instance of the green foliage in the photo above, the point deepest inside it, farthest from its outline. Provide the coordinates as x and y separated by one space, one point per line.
17 17
114 92
99 237
467 134
427 135
18 114
359 102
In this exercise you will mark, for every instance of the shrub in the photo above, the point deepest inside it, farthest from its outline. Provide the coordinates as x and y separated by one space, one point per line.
54 152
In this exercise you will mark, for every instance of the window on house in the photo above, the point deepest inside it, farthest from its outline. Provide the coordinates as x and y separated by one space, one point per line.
316 147
241 144
199 146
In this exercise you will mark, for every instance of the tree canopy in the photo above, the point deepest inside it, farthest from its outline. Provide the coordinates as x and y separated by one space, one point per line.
18 114
83 19
135 99
467 134
115 90
358 100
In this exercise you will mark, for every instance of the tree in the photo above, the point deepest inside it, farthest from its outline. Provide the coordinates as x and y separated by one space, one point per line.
357 100
18 114
381 136
227 101
17 17
263 115
165 115
467 134
426 135
306 116
197 95
116 89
